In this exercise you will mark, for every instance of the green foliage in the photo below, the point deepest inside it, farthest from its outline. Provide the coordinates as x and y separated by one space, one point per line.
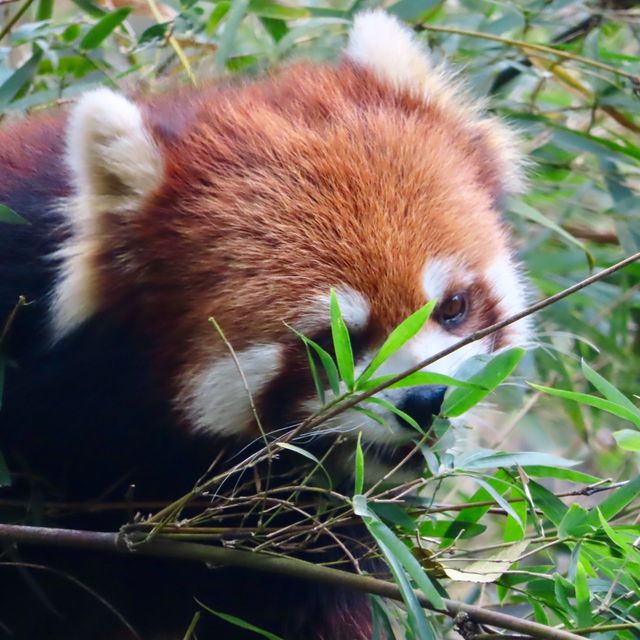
511 513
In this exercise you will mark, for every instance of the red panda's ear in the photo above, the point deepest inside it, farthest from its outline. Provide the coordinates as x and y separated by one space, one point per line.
114 165
113 159
384 46
380 43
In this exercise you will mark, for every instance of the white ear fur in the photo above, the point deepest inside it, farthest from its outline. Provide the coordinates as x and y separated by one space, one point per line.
110 152
381 43
114 164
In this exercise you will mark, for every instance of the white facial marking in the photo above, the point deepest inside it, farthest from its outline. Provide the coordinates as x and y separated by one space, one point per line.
505 280
217 400
114 165
440 273
355 309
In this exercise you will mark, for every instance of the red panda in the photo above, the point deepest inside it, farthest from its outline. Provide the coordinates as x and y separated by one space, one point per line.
375 176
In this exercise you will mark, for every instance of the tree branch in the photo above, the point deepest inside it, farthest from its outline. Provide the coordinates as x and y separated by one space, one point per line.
294 567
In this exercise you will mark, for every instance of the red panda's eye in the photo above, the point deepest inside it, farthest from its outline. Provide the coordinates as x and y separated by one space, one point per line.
453 310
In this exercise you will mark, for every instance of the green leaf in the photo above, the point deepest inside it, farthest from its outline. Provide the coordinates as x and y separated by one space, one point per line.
543 471
583 598
489 377
406 330
417 379
398 412
341 343
45 10
617 539
500 500
487 459
317 382
592 401
628 439
394 514
90 8
266 9
215 17
329 366
104 28
9 216
530 213
239 622
551 506
235 15
575 522
607 389
618 500
379 531
358 473
305 454
5 476
11 87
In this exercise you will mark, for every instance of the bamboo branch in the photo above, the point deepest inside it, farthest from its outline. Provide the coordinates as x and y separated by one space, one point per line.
529 46
293 567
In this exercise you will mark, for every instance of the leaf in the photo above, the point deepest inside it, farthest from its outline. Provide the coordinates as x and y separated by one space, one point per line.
592 401
551 506
306 454
358 473
341 343
239 622
317 382
500 500
584 617
628 439
104 28
617 539
575 522
487 459
532 214
9 216
415 612
326 360
11 87
607 389
417 379
460 400
488 569
618 500
45 10
266 9
383 534
398 412
394 514
459 529
5 476
235 15
88 7
543 471
406 330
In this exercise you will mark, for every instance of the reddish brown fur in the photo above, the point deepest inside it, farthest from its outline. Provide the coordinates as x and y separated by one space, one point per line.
283 188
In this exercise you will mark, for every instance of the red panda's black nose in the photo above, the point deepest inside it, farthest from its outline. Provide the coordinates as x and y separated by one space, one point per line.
422 404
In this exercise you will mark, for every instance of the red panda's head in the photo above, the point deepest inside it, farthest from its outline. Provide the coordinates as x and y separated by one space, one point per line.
376 177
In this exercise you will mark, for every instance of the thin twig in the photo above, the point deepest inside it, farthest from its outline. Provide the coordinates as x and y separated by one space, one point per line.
540 48
12 21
